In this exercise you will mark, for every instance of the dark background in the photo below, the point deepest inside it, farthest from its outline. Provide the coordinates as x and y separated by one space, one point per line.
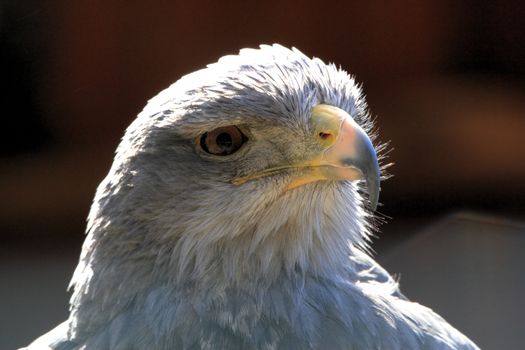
445 79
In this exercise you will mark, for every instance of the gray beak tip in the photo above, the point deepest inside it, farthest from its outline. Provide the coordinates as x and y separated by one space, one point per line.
373 192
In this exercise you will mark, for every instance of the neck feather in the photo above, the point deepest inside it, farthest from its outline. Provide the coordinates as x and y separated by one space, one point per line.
304 234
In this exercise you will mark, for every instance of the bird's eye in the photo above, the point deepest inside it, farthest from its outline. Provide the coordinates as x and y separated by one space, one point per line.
222 141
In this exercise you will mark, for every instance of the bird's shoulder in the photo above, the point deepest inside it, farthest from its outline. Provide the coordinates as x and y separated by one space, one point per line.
399 319
370 271
55 339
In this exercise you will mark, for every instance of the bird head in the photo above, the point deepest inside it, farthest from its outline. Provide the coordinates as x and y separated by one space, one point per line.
257 159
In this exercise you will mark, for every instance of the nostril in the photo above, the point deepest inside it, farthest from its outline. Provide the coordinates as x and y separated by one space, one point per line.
324 135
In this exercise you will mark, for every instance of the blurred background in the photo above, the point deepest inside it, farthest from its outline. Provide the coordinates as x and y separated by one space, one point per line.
446 80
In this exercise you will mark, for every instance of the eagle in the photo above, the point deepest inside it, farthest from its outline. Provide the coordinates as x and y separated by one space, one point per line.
237 214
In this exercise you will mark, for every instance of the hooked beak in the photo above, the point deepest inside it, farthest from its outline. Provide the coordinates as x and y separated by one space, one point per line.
346 154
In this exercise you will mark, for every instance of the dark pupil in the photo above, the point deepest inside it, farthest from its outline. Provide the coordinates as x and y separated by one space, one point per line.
224 141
